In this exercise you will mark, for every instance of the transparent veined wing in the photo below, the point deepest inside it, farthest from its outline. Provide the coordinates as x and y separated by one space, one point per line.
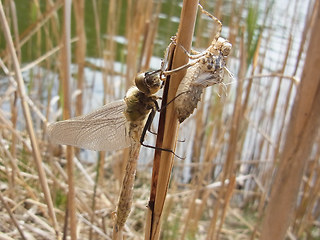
102 130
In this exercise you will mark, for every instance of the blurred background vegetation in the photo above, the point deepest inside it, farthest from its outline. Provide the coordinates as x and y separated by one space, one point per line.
112 41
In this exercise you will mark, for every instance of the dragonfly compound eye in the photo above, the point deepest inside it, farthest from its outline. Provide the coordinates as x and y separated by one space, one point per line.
148 82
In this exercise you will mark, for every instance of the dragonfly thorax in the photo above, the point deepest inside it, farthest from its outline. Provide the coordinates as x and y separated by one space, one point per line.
138 104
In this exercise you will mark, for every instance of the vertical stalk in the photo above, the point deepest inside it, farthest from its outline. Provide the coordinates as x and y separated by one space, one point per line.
161 175
14 108
28 119
80 51
137 14
301 135
97 27
66 60
228 170
151 29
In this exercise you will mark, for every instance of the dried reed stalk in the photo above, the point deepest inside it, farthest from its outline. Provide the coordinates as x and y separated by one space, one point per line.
151 29
228 169
28 119
161 175
12 217
80 51
34 28
97 27
110 50
300 138
66 77
109 57
15 29
136 19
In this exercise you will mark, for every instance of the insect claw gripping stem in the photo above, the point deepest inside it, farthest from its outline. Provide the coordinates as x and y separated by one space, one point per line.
147 126
162 108
163 149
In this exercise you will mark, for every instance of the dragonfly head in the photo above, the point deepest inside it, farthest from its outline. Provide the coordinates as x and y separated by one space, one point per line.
148 82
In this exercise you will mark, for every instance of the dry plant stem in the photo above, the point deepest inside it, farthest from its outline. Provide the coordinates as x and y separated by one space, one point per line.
14 118
80 51
34 28
305 208
301 135
134 25
97 26
248 88
308 22
228 170
157 155
26 112
109 59
227 197
15 28
126 195
151 29
66 60
110 47
137 24
184 38
13 219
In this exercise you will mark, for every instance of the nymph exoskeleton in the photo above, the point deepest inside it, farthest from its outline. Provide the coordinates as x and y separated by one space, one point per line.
203 70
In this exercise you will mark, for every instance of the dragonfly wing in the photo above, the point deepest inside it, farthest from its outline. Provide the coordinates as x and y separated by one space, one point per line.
102 130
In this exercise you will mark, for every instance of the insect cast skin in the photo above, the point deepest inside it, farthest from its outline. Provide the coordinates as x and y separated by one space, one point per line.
206 71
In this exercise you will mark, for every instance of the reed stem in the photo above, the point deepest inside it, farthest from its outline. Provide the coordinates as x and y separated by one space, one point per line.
66 78
161 175
28 119
300 138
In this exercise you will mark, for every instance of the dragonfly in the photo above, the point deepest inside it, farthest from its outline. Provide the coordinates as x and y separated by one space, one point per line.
114 126
111 126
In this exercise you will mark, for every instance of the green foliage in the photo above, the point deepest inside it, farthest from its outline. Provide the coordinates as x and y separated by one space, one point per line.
171 228
253 31
33 12
60 199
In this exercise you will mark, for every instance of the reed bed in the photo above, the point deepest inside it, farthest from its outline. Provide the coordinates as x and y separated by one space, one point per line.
251 156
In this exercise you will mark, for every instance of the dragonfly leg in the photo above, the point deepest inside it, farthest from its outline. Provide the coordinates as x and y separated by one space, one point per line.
146 127
152 132
163 149
161 109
